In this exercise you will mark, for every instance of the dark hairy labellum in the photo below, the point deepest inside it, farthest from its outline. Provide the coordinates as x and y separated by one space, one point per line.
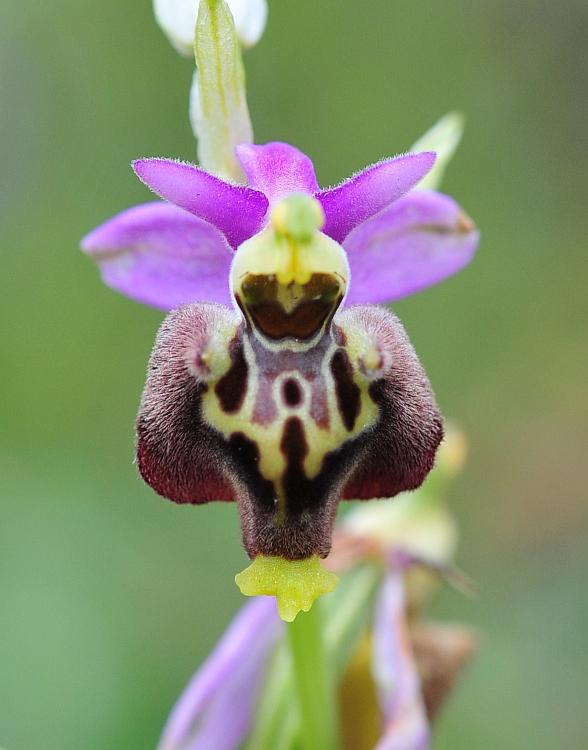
286 427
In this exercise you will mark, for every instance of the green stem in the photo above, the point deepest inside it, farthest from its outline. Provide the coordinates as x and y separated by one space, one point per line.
314 682
277 724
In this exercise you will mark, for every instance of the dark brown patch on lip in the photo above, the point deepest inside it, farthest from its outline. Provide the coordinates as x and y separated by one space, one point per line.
301 494
244 453
348 393
302 323
292 393
294 447
311 310
306 364
231 388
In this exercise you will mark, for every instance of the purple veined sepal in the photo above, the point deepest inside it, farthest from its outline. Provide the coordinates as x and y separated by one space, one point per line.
395 672
217 707
162 256
416 243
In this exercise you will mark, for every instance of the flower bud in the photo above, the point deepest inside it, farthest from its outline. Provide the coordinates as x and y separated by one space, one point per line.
177 18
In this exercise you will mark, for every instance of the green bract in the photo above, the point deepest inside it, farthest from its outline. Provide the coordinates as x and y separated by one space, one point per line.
443 138
218 107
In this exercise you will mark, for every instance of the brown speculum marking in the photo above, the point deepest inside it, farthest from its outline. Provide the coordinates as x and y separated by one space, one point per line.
245 453
348 393
232 387
293 311
292 393
301 494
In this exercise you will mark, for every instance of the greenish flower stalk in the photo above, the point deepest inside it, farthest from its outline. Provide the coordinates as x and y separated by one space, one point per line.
346 614
314 682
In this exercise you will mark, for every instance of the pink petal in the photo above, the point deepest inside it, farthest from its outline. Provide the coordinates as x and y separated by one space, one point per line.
237 211
216 709
162 256
367 193
277 170
417 242
395 672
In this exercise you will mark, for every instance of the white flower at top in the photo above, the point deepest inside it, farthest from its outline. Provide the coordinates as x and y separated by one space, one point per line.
177 18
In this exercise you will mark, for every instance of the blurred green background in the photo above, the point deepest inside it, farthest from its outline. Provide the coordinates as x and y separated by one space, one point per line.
110 596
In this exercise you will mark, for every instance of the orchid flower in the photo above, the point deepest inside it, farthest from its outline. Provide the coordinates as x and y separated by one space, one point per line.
396 674
282 401
275 383
262 388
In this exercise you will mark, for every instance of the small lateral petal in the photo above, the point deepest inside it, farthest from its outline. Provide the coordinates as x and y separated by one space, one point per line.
277 169
162 256
237 211
369 192
216 709
416 243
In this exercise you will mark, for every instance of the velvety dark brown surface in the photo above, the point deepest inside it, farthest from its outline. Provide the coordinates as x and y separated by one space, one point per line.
177 453
189 461
402 447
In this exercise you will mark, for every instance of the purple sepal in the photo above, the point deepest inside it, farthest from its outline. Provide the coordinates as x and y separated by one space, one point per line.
415 243
236 210
368 192
162 256
395 672
216 709
277 169
166 256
